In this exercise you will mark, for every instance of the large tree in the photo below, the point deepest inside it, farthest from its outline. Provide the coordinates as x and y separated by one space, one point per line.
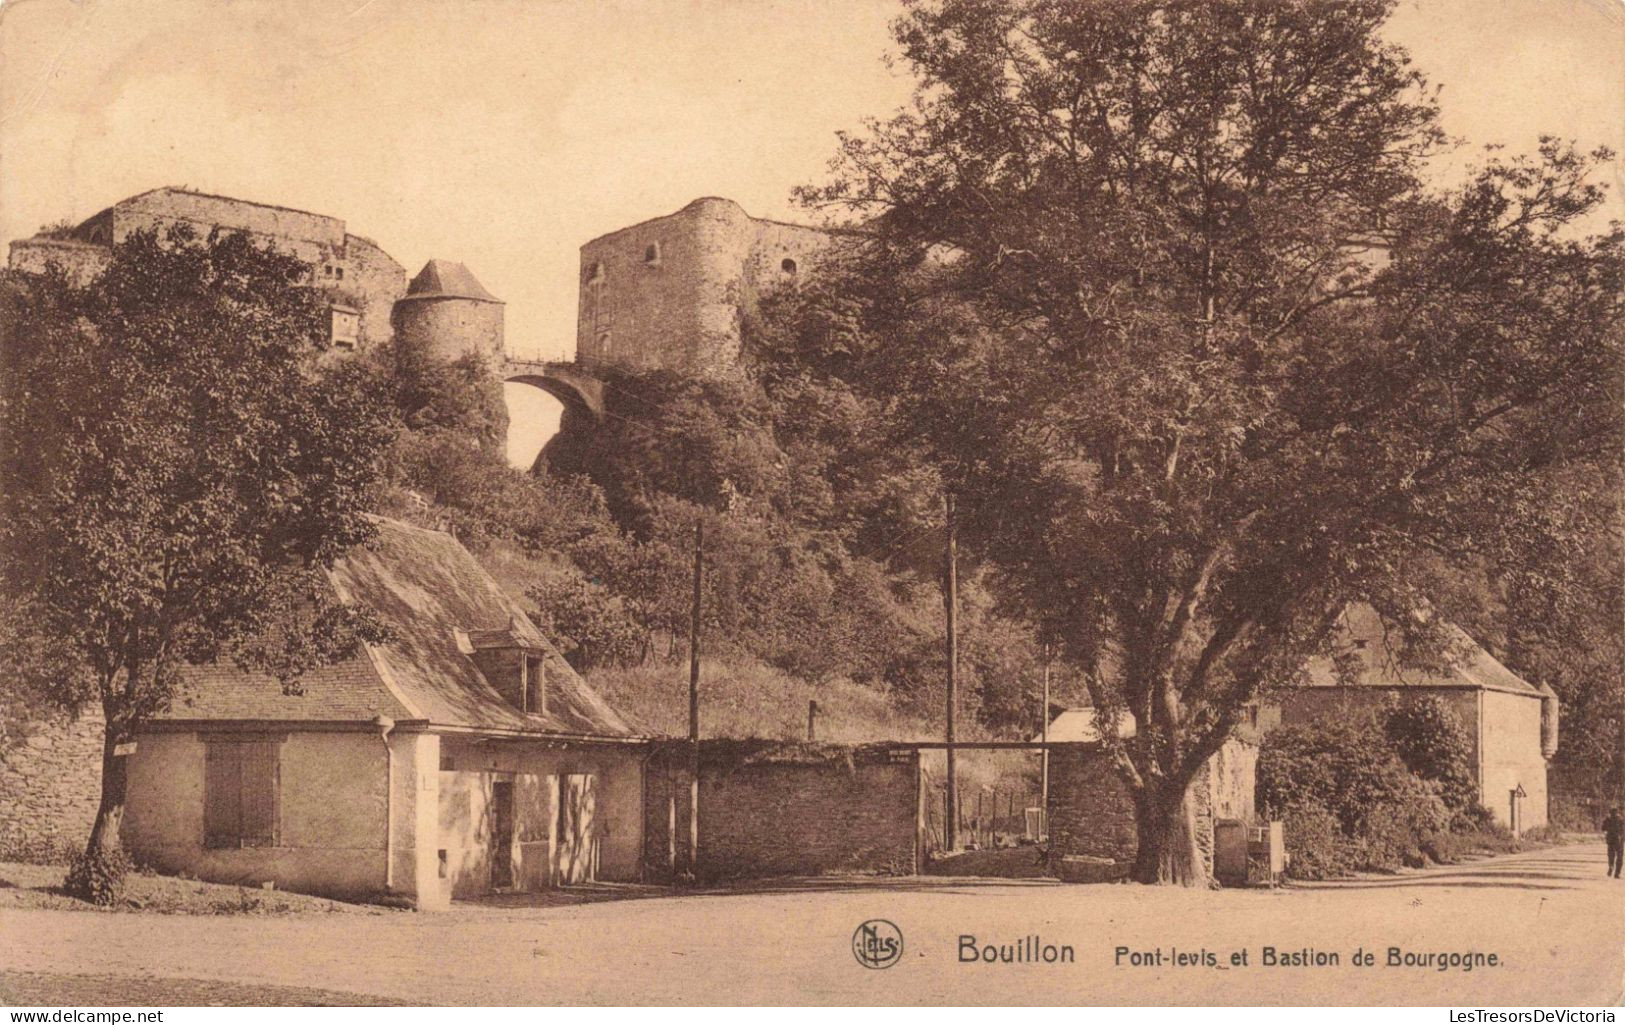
178 465
1159 288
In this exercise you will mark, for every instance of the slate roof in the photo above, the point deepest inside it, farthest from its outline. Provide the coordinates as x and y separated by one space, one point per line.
425 587
447 279
1379 647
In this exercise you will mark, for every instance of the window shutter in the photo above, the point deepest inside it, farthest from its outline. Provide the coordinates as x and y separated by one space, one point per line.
260 771
222 777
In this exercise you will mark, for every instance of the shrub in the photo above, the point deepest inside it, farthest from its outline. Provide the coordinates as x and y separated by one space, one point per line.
1547 834
1394 832
98 879
1443 847
1318 847
1476 818
1430 739
1341 770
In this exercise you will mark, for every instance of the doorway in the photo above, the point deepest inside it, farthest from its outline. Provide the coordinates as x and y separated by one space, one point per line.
502 834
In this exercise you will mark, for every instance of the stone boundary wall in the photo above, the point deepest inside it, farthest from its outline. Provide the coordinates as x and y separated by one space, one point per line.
765 812
50 786
1091 811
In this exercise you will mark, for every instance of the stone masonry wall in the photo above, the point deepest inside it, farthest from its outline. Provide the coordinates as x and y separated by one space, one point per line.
81 261
1091 810
306 233
50 785
853 812
451 328
350 269
375 281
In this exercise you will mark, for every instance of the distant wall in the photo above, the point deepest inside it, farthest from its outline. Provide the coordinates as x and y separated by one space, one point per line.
769 809
81 261
307 234
375 281
350 269
50 787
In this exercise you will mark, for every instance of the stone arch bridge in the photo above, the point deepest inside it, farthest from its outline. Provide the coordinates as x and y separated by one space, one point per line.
571 383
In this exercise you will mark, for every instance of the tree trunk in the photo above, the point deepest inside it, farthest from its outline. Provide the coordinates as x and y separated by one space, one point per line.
104 834
1166 821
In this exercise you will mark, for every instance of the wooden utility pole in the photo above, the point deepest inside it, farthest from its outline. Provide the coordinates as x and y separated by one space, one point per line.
1043 754
950 597
694 702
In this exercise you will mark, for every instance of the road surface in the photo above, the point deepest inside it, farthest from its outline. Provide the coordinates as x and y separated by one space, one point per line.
1550 919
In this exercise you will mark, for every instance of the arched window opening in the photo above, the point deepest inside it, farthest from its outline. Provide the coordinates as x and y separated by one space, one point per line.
651 255
788 265
595 274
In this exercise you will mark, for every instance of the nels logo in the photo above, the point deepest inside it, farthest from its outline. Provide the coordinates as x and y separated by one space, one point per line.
877 944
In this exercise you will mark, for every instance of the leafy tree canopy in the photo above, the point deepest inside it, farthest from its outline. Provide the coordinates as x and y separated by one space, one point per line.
178 466
1159 289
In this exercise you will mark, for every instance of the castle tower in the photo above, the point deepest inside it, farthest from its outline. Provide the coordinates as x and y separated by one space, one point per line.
449 313
668 293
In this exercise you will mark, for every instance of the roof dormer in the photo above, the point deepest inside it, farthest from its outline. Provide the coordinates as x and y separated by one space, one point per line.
511 663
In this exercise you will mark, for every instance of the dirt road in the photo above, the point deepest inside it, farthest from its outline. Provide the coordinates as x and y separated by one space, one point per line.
1551 921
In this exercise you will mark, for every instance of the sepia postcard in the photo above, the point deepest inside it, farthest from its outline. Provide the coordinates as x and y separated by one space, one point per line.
878 502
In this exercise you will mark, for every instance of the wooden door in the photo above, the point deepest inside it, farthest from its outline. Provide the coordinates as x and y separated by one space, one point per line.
501 834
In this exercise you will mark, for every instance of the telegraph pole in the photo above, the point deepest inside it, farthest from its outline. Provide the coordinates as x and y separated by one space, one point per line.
694 702
1043 756
950 597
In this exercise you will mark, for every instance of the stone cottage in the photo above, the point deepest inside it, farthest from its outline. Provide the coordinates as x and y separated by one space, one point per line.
462 756
1511 724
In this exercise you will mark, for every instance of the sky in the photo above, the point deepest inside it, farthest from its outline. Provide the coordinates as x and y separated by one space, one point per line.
505 133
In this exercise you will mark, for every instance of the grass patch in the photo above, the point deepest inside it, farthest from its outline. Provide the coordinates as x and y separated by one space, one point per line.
39 887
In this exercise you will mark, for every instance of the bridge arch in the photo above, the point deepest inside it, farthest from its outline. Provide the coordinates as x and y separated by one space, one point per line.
579 391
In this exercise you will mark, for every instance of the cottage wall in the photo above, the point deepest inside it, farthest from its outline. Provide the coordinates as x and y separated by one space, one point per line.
1512 758
332 800
852 812
50 787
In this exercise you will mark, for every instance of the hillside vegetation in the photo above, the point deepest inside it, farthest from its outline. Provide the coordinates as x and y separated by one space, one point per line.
816 588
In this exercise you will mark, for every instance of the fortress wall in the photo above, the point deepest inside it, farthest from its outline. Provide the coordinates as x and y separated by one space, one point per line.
374 281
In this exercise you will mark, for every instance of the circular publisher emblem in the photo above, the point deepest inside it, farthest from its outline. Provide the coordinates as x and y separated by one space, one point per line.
877 944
